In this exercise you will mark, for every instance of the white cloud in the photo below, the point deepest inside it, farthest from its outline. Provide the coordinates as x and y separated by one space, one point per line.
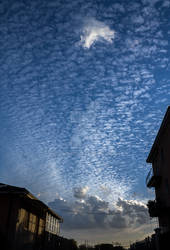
79 192
93 31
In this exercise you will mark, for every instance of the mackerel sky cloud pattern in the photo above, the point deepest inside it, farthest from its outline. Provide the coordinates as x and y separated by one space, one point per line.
84 87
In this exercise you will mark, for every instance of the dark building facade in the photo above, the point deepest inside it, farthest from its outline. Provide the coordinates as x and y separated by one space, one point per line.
26 223
159 179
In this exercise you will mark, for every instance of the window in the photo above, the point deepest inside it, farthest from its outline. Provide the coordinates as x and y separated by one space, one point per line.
32 223
23 219
41 226
52 224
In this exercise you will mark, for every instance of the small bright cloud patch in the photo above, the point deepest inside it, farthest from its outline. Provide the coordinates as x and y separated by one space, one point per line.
94 31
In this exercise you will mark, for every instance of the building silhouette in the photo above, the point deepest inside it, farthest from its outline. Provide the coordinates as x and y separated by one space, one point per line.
159 179
26 223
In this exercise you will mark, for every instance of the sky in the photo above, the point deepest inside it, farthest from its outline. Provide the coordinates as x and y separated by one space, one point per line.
84 86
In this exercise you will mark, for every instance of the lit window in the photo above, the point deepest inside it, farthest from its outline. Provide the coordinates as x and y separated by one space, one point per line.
32 223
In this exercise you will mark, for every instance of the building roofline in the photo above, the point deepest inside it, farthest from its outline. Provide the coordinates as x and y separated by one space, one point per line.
159 135
5 188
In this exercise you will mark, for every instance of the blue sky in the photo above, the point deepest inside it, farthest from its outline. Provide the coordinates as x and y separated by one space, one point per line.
84 87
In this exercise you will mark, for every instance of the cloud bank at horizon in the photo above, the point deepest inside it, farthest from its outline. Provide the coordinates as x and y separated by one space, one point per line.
94 214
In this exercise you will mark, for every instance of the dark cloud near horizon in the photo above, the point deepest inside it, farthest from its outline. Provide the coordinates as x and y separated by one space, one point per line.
93 212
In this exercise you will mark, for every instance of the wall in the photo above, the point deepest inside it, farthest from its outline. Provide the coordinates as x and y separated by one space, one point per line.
8 218
161 166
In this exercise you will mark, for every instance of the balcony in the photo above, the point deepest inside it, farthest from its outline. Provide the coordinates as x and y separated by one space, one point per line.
153 180
154 208
157 208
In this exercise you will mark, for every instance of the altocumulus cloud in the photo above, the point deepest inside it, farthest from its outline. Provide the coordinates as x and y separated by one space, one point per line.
94 31
91 212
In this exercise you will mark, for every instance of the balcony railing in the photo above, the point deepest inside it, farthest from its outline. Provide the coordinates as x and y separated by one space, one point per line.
153 180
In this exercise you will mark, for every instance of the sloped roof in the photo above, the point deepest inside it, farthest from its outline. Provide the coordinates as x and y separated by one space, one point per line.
165 122
24 193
